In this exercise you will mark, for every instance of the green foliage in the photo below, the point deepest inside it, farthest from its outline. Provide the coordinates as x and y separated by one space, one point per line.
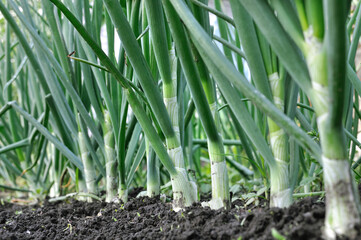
62 74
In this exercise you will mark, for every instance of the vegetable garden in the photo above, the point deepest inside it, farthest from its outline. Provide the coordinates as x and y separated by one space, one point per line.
134 110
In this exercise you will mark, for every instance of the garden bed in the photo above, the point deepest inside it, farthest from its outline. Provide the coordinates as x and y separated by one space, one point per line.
150 218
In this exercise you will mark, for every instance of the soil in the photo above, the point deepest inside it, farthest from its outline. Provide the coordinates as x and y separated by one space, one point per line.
150 218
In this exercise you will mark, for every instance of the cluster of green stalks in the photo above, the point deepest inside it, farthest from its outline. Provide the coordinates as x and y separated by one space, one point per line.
111 95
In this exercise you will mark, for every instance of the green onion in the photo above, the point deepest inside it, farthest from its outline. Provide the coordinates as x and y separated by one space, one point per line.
270 101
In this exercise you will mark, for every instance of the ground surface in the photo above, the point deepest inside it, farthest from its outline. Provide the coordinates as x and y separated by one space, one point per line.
145 218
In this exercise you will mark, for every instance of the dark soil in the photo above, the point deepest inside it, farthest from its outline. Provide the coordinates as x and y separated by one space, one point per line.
149 218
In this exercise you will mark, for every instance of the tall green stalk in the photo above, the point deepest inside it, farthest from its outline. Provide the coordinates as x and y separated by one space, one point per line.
271 84
281 191
207 111
89 170
153 175
153 188
220 188
169 78
111 163
167 64
343 201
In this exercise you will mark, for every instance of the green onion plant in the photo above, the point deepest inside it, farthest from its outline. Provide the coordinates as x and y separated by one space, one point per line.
266 98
